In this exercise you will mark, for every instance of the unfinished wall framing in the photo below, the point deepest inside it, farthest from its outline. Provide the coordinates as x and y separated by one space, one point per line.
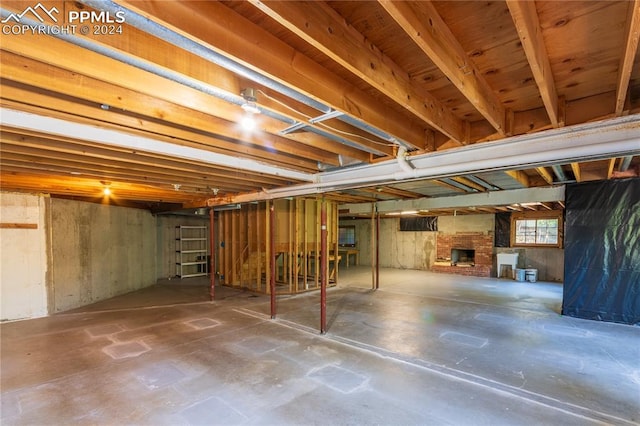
243 249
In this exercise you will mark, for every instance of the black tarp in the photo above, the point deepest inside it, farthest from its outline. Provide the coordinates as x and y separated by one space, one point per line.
425 223
502 232
602 251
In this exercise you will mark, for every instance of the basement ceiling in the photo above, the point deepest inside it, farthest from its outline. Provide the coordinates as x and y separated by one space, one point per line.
149 98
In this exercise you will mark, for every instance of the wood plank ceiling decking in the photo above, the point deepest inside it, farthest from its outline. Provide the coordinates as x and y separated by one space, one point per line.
338 84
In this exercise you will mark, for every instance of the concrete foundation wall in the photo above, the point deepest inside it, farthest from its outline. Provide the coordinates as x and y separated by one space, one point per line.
23 256
412 250
166 236
99 251
402 250
417 250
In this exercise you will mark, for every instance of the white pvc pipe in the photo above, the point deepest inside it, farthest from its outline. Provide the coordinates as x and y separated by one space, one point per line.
586 142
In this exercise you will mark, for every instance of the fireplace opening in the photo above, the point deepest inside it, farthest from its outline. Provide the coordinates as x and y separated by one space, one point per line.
463 257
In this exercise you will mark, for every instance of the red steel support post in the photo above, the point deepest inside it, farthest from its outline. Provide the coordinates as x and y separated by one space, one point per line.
272 258
377 250
212 263
323 267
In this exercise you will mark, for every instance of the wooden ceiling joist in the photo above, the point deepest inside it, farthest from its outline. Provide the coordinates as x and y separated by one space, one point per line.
575 167
629 55
520 176
74 186
185 123
109 73
158 106
429 31
215 24
66 165
331 35
548 177
469 183
196 140
525 18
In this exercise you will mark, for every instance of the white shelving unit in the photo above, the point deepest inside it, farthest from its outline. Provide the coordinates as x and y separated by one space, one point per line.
192 249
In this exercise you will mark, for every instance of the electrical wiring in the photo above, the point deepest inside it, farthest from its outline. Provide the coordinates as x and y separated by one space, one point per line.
284 105
356 135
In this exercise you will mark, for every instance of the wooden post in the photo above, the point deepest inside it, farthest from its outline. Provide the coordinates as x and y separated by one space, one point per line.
323 267
290 244
305 245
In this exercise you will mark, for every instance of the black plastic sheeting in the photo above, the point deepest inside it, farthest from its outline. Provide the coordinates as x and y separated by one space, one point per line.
602 251
426 223
502 234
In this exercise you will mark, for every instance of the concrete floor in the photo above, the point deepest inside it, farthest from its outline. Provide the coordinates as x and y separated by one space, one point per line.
426 349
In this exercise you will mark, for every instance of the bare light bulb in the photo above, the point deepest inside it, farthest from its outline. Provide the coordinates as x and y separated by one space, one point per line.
248 123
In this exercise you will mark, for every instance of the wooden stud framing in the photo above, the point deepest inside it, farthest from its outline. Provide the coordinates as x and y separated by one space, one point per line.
245 259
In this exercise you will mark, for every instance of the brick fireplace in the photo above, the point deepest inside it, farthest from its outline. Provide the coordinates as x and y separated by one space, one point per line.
469 253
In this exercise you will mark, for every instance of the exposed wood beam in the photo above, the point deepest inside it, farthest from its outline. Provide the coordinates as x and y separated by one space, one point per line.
520 176
628 55
319 25
546 206
47 125
128 159
54 107
545 175
576 171
74 186
486 209
467 182
117 84
611 167
217 26
153 49
525 18
121 166
389 190
432 35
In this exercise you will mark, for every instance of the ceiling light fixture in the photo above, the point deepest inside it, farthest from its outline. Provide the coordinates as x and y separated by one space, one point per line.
249 95
106 190
248 123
